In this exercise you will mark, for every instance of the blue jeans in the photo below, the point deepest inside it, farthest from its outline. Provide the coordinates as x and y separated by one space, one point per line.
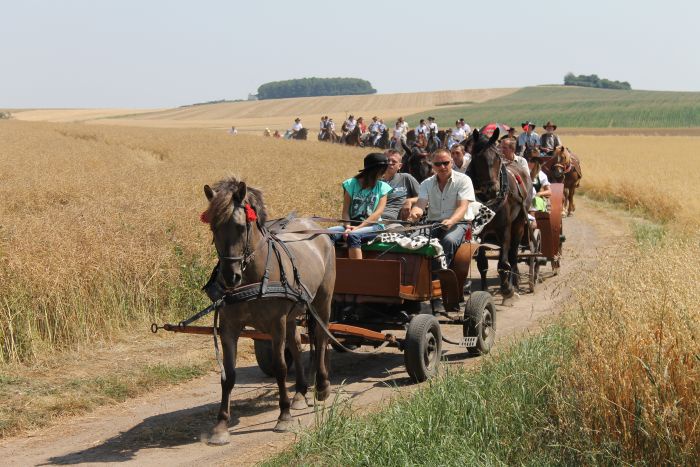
357 236
450 240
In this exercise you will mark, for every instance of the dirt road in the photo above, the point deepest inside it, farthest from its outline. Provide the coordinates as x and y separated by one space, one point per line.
164 427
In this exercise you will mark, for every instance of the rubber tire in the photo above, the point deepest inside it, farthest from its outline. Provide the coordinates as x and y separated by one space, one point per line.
422 347
480 321
534 263
263 355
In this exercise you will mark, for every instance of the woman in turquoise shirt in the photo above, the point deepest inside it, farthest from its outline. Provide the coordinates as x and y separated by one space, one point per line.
363 204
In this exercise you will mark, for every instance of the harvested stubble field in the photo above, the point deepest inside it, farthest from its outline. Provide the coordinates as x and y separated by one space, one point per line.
100 232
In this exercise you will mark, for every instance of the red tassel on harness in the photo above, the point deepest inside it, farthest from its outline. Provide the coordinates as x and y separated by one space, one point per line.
520 180
204 217
250 214
468 234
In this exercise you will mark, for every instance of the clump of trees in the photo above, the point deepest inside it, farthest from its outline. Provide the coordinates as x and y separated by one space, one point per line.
593 81
307 87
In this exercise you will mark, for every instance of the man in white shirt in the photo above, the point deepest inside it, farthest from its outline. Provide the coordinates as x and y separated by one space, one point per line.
446 195
380 128
422 128
350 124
432 126
457 136
465 126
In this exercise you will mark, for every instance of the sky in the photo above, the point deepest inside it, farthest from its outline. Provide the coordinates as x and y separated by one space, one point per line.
158 53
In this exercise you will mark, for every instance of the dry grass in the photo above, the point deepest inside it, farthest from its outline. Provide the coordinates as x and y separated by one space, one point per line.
655 175
634 384
277 114
100 225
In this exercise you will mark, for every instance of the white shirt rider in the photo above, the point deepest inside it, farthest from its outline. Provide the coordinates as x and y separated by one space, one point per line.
432 126
297 126
350 124
422 129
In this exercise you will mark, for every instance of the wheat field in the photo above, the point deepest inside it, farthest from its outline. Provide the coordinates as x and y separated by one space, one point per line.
276 114
100 232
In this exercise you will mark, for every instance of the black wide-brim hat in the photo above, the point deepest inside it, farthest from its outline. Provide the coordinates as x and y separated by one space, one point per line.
548 124
375 159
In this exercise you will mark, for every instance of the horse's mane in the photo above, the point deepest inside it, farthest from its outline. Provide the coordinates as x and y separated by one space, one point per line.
563 154
221 205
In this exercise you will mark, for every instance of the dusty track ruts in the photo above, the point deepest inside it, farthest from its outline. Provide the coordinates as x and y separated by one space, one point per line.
163 428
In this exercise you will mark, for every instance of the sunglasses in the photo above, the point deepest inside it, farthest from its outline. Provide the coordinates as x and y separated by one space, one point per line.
441 164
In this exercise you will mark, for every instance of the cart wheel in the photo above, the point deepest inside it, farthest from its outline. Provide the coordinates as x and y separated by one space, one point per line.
423 347
533 262
480 322
263 355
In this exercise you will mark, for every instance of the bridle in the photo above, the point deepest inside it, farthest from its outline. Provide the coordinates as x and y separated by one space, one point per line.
248 253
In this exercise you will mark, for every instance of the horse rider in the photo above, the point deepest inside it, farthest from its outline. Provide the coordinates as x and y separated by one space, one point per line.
460 158
361 124
295 129
404 186
549 141
380 129
446 195
432 126
465 126
348 125
457 136
527 139
330 126
507 147
398 135
322 127
422 129
232 131
267 132
404 128
372 128
510 133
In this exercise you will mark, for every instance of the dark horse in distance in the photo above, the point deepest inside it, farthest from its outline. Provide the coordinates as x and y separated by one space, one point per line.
507 190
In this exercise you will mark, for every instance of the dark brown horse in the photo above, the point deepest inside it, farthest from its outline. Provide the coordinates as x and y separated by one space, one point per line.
506 189
301 134
237 217
416 162
353 138
565 168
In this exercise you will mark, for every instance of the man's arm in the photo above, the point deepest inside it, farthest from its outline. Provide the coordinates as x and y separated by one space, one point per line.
417 210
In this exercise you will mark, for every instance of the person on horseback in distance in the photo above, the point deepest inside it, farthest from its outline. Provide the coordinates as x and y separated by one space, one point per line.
446 195
549 140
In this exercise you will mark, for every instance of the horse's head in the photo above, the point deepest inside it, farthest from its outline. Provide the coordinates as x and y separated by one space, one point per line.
234 215
485 167
419 165
562 155
562 161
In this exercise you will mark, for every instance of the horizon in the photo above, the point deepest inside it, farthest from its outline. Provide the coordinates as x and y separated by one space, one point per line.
84 54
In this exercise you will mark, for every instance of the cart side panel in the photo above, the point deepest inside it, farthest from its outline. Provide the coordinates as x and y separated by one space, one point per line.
367 277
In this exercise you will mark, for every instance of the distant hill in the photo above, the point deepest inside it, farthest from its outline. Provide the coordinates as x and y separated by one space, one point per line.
578 107
274 113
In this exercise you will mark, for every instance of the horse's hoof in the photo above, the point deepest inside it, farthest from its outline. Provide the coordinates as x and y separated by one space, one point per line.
322 394
283 426
570 214
510 301
218 438
299 402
